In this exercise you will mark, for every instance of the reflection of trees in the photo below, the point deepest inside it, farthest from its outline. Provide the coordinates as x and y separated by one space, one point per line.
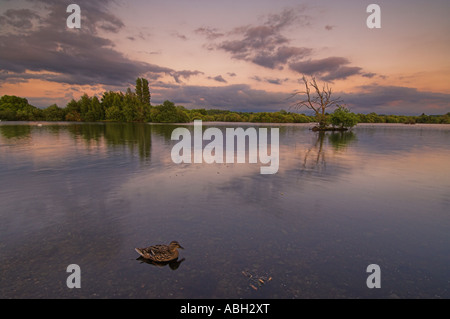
340 140
315 155
165 130
15 131
133 135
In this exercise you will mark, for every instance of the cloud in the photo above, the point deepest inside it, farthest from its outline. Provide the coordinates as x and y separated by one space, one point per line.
311 67
218 78
396 100
209 33
262 44
327 69
275 81
369 75
53 52
186 74
280 56
21 18
179 36
266 45
238 97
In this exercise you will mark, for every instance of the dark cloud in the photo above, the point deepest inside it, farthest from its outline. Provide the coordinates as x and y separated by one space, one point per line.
396 100
368 75
311 67
218 78
186 74
21 18
53 52
179 36
288 17
240 97
280 56
262 44
275 81
342 73
209 33
328 69
266 45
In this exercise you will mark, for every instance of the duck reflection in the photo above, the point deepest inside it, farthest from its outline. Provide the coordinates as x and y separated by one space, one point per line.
173 264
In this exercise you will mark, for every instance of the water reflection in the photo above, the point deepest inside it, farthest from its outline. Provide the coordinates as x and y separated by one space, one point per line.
134 135
88 194
340 140
15 131
173 264
316 154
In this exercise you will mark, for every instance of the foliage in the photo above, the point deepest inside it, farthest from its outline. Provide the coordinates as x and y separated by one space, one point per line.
343 118
134 106
169 113
54 113
13 108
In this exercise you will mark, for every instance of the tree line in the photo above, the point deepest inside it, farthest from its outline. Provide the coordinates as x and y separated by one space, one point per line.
135 106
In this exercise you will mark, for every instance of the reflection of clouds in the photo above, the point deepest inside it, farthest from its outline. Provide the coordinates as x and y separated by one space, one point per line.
177 187
48 146
397 138
92 210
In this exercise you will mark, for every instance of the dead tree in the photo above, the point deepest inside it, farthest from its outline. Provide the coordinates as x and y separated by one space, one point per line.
318 100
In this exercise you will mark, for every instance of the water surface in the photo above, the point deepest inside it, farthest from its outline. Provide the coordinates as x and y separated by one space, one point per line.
88 194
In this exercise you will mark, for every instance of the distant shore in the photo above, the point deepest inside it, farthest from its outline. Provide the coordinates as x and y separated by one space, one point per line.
119 107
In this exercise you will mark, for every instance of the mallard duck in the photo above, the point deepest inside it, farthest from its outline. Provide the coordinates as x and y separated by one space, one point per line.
160 253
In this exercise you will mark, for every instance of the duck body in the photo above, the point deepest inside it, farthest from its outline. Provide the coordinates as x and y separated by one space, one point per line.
160 253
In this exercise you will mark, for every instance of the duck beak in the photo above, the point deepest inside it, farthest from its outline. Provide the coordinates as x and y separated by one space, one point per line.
181 247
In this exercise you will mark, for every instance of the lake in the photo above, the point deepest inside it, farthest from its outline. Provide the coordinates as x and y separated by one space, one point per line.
88 194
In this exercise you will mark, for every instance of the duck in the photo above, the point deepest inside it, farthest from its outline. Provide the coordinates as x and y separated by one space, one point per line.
160 253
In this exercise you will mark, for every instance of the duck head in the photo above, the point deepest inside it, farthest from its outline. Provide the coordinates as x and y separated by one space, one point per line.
174 245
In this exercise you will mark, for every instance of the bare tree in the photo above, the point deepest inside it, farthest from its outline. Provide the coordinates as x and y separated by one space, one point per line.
318 100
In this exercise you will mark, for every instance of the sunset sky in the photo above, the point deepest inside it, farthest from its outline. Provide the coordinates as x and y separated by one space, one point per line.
245 55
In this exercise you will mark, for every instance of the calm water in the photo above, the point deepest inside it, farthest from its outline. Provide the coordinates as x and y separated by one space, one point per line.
88 194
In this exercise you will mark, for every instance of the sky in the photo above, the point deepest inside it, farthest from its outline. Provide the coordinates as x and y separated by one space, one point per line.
247 55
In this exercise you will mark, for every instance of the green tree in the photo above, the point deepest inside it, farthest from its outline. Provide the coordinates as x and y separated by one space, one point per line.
145 92
16 108
54 113
114 114
85 104
343 118
233 117
95 111
169 113
139 90
73 111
